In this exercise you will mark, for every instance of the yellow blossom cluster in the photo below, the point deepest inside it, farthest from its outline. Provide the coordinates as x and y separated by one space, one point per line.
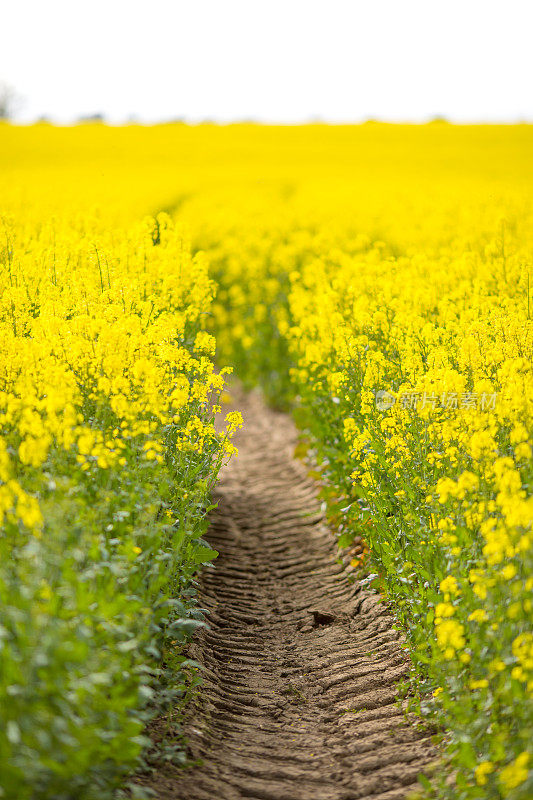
94 338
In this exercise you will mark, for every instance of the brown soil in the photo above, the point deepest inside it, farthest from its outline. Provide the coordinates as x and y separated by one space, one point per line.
301 665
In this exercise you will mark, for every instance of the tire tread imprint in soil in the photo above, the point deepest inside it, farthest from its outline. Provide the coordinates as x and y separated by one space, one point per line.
299 700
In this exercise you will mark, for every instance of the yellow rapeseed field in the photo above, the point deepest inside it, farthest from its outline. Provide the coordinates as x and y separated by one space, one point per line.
378 280
108 453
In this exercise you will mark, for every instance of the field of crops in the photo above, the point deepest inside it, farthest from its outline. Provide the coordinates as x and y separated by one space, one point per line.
376 281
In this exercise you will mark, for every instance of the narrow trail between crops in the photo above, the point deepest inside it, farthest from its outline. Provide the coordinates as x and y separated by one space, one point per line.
301 664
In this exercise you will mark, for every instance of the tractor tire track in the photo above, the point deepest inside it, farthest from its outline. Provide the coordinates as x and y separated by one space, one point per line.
299 700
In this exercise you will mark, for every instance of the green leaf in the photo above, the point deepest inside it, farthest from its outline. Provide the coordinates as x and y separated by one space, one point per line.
203 555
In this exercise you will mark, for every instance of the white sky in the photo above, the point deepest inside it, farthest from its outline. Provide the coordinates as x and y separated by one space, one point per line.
272 60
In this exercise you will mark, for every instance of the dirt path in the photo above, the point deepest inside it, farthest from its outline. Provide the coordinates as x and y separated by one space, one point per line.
296 705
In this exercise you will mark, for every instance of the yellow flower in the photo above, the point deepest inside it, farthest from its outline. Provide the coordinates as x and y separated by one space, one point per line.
444 610
34 450
481 772
45 592
205 343
479 684
233 421
450 636
508 572
479 615
516 772
449 584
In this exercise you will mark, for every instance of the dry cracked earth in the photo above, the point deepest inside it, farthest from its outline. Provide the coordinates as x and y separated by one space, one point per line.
301 664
